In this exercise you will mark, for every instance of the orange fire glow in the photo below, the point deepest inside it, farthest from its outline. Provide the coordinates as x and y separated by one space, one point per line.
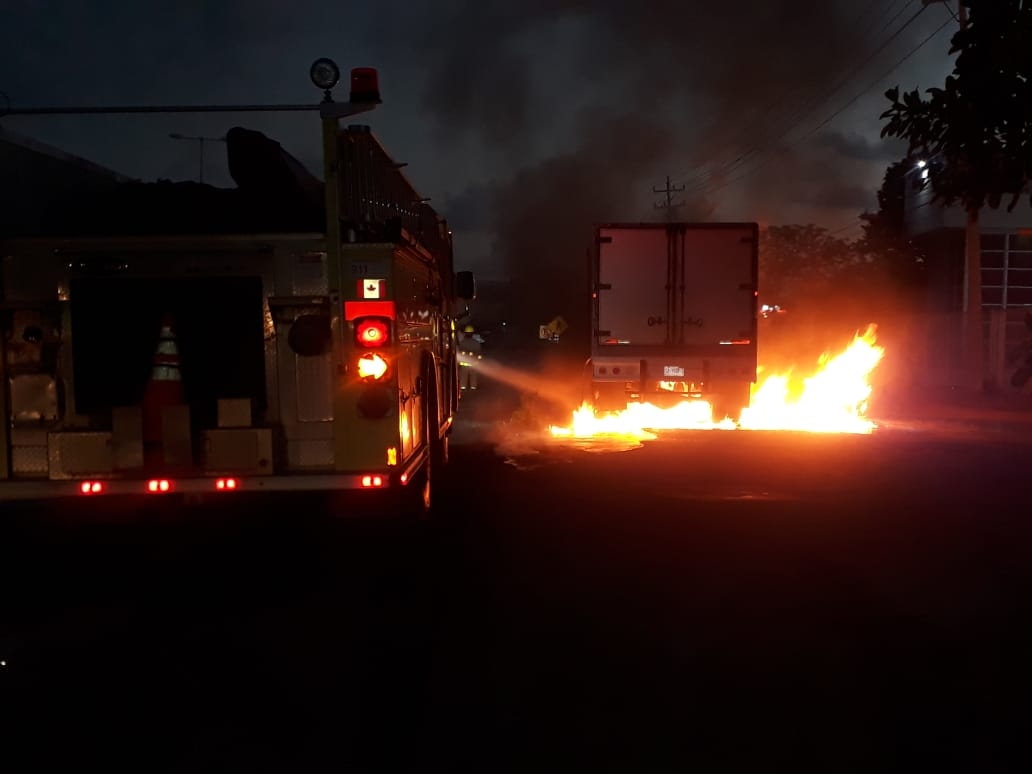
832 400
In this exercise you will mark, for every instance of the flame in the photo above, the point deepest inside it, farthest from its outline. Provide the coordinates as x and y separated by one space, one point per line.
633 421
832 400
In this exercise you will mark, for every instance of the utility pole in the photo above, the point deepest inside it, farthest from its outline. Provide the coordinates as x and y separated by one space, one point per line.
971 309
669 205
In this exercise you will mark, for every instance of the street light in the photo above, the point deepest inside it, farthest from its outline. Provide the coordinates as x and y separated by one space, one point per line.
200 143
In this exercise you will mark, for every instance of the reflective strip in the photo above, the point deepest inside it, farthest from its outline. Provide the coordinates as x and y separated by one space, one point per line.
167 347
166 373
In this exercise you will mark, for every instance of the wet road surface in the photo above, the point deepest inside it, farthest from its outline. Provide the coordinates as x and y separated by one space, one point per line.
710 600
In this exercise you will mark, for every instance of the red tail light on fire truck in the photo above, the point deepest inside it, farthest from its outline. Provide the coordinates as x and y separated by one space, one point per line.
372 333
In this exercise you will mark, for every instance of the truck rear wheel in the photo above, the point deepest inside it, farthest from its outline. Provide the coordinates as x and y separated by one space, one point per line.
607 396
417 495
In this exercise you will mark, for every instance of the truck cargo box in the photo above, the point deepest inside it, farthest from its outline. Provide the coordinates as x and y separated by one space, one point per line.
675 313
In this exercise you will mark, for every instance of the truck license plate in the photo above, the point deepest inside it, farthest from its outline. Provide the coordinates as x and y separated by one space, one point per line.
673 371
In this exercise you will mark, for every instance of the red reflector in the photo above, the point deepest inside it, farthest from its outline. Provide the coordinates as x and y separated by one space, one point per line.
91 487
159 485
372 481
226 483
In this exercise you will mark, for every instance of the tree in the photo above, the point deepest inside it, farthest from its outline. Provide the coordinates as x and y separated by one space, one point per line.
974 133
825 285
884 234
801 262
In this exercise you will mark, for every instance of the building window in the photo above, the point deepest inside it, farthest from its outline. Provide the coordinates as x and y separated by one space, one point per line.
1006 270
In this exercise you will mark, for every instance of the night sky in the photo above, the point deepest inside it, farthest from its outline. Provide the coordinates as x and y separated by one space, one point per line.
525 122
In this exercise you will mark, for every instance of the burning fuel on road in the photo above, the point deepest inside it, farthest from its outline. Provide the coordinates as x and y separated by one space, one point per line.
832 399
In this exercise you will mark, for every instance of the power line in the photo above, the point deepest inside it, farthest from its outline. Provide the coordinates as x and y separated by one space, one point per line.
812 105
808 106
815 103
949 10
834 115
878 80
797 88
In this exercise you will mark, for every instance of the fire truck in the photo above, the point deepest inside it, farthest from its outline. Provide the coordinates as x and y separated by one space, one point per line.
179 339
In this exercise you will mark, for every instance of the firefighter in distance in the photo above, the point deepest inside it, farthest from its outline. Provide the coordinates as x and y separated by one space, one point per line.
469 348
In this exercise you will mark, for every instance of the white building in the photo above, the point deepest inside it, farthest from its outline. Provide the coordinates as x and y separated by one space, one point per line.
1006 243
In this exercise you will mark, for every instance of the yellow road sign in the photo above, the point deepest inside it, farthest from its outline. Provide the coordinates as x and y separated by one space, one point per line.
558 326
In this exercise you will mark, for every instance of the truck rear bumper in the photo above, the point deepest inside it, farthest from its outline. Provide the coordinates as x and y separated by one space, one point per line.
224 485
647 370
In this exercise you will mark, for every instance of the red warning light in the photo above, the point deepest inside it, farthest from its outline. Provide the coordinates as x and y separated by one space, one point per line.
365 85
371 332
224 484
91 487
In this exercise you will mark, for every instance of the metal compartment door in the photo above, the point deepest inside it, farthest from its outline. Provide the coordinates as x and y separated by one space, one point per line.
719 281
633 299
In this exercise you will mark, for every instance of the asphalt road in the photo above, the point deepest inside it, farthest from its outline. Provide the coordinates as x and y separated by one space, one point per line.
711 601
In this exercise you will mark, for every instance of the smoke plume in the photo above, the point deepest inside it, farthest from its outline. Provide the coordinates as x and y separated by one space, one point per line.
644 85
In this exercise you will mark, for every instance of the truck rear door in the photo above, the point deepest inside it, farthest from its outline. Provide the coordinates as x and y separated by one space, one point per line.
676 285
717 282
634 302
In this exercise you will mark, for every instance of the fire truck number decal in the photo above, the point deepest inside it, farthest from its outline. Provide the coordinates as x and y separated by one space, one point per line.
370 279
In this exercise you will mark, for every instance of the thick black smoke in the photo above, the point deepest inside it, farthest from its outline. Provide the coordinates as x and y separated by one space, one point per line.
677 82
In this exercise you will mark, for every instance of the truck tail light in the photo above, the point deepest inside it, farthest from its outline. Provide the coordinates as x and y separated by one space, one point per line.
372 332
226 484
159 486
91 487
372 482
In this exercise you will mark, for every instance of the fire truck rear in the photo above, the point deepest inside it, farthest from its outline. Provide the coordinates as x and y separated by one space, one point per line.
222 359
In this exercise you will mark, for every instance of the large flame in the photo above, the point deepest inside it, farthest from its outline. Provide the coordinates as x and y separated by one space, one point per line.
832 400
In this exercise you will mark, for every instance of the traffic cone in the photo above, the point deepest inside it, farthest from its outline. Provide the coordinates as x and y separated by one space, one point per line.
165 388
